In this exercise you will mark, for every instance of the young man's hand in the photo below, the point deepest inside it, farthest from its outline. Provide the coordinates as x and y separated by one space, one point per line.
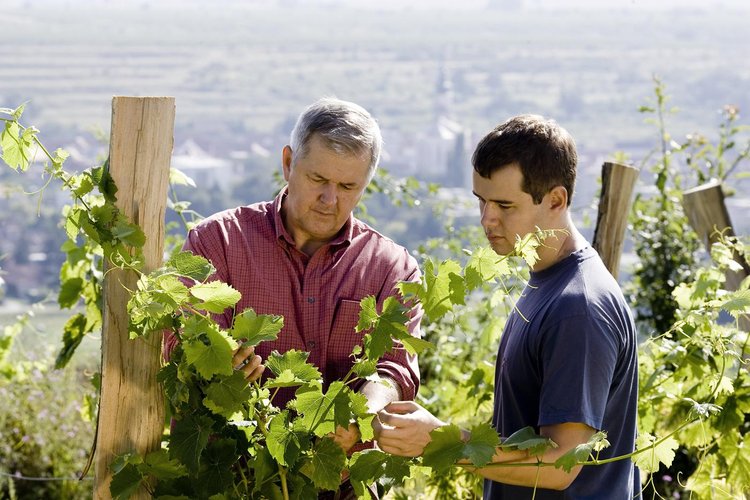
405 428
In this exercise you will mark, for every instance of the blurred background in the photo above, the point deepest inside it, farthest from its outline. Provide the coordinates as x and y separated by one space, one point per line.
437 75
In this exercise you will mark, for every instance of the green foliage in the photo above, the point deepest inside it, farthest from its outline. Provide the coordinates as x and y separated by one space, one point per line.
694 387
43 435
228 440
664 242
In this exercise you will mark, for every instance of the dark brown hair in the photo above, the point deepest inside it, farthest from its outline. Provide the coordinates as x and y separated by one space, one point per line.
545 152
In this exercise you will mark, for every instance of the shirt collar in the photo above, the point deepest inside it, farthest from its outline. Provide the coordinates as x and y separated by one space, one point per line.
343 238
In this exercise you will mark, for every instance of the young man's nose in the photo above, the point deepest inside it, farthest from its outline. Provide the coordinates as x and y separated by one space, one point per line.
488 215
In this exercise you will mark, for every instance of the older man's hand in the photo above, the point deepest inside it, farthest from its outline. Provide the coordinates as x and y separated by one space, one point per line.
246 361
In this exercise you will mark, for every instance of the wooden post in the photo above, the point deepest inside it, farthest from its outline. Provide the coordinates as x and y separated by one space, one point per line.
131 409
618 181
708 215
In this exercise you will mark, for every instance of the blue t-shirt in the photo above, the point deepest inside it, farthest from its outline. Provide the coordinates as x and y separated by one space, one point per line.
569 354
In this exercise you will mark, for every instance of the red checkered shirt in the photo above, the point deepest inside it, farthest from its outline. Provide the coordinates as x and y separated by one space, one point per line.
318 296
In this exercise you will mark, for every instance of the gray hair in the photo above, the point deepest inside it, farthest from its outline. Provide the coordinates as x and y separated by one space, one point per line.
347 128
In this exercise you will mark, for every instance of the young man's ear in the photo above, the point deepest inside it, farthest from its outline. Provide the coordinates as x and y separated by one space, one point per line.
558 198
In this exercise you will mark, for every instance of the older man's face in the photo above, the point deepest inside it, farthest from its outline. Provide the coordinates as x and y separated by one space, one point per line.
324 186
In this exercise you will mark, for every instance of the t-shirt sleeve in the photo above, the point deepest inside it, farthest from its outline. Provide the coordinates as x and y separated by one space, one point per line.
578 358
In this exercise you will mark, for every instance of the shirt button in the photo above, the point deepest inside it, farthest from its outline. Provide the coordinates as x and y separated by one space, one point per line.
310 300
311 344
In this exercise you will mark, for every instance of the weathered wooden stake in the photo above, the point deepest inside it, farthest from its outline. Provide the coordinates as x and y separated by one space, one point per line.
618 181
131 410
708 215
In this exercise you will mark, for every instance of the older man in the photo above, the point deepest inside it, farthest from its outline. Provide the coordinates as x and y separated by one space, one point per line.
304 256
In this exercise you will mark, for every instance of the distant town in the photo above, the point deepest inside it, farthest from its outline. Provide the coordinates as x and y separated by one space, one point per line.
435 78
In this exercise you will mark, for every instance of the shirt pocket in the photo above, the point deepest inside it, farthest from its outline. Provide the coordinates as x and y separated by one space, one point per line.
343 337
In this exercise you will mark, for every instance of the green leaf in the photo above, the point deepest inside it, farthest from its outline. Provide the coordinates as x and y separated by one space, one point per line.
215 296
16 145
292 363
70 292
264 467
484 266
582 452
192 266
282 442
125 482
367 466
130 234
179 178
415 345
189 438
527 439
73 332
216 466
368 313
252 329
440 288
226 395
158 464
328 460
390 323
737 303
211 353
648 461
445 449
316 409
482 444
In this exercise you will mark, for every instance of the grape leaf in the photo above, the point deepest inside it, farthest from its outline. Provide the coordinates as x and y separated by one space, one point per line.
125 482
189 438
282 442
328 460
368 313
648 460
736 303
73 332
211 353
390 323
70 292
315 408
445 449
415 345
216 466
16 145
130 234
367 465
481 445
264 467
293 362
192 266
158 464
527 439
226 395
483 266
214 296
254 328
179 178
437 297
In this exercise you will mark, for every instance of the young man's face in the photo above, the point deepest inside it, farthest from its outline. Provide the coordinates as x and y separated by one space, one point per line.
323 188
506 211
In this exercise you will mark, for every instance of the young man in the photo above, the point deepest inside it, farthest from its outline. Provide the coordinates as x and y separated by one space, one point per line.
567 361
305 257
